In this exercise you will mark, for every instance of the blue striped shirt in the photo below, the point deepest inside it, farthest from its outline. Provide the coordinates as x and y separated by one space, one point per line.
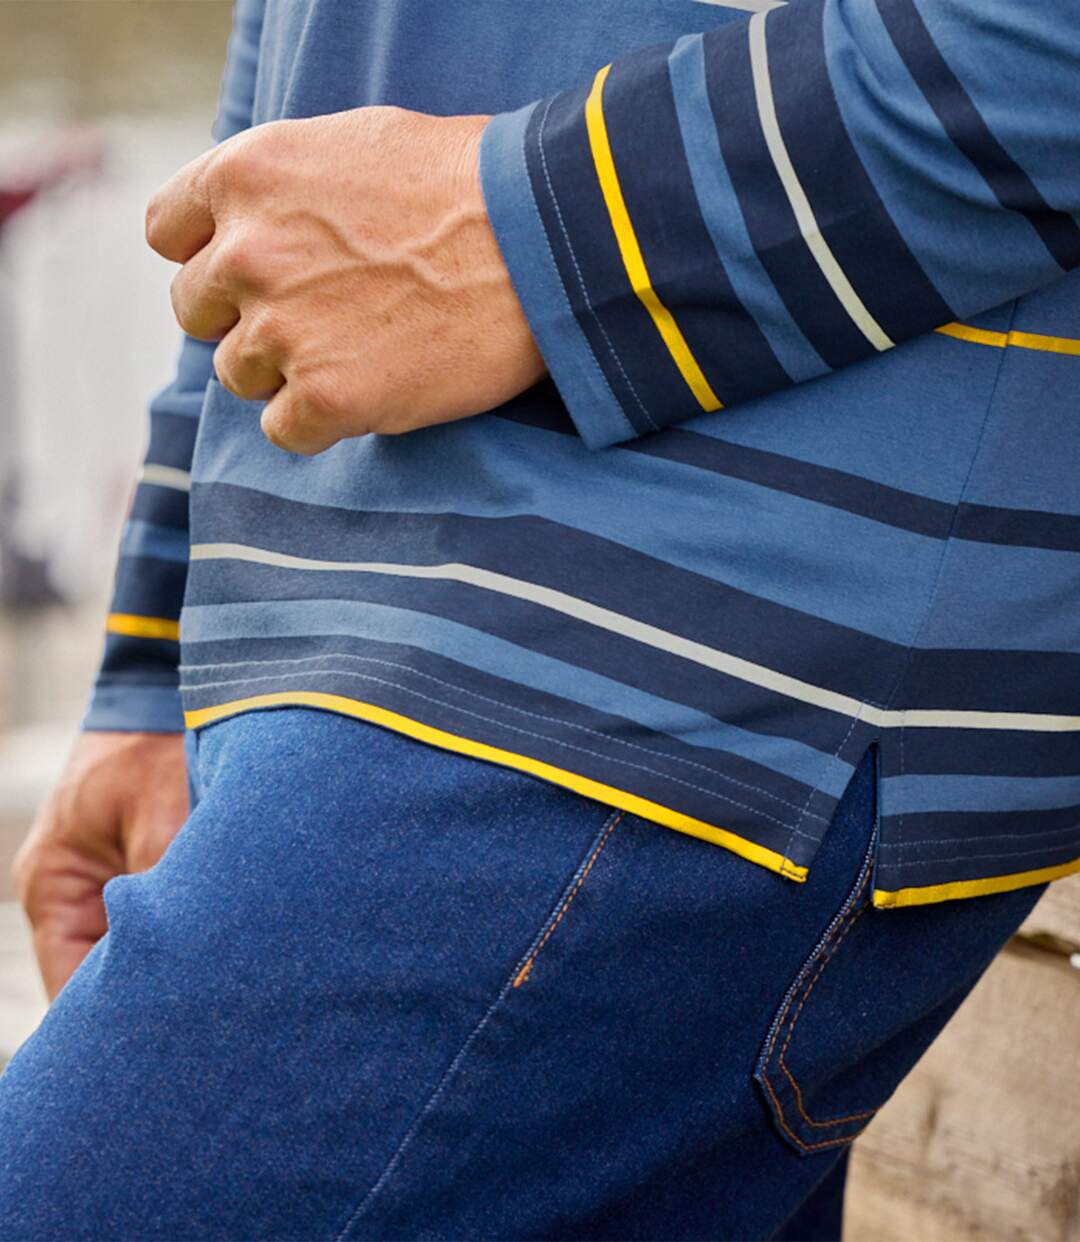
803 481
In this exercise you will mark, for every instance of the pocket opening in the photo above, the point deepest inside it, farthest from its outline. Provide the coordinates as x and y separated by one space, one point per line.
784 1094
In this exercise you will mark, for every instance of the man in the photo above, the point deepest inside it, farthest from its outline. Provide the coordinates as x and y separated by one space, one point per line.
574 441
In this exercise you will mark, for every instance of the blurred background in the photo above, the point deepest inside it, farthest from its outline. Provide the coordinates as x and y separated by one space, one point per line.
102 100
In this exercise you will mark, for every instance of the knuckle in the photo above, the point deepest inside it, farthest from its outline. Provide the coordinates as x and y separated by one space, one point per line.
238 364
320 399
178 296
152 223
225 365
265 335
237 259
242 161
225 169
26 874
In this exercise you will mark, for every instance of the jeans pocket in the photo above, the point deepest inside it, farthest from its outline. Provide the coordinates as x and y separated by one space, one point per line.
810 1069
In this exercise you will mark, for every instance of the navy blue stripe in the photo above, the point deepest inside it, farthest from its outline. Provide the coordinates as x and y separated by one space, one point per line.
979 752
543 411
1045 682
852 218
140 659
1024 528
685 271
770 220
823 484
566 559
930 836
965 126
147 587
172 440
922 515
165 506
538 406
642 375
586 744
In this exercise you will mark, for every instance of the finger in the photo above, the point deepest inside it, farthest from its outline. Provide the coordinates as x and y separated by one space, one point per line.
293 423
66 910
204 307
246 363
179 217
59 955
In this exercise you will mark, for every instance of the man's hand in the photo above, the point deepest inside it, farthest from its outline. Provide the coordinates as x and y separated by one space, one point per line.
348 268
120 801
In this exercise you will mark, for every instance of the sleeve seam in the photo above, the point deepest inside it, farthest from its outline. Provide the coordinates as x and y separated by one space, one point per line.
581 281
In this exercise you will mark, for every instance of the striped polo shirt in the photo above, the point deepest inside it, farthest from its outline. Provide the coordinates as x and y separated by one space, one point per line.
804 479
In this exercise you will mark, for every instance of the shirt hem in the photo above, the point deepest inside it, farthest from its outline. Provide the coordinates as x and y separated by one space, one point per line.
621 799
930 894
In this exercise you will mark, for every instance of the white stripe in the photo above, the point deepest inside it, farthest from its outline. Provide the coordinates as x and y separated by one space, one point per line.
746 6
650 635
800 204
166 476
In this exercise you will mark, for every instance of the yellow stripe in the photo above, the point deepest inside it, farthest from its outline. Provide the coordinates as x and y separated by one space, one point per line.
479 750
141 627
1019 340
631 251
1049 344
972 888
977 336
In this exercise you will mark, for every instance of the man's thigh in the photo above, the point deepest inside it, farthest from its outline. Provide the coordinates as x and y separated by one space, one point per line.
378 990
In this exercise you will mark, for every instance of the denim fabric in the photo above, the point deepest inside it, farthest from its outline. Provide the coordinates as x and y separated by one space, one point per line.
379 990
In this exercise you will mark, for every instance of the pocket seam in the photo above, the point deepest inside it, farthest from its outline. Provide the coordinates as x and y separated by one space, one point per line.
555 919
854 907
442 1085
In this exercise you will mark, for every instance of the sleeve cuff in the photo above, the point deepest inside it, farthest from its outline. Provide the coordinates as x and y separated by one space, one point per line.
133 708
526 250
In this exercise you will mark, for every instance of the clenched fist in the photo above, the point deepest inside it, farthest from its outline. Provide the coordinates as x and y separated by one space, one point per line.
349 270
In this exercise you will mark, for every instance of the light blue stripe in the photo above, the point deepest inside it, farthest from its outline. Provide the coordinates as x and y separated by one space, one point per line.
1037 432
1032 52
508 196
758 540
902 795
385 623
119 706
723 217
164 543
880 419
938 200
1006 599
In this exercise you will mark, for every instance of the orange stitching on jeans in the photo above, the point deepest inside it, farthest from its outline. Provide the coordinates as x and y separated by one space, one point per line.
525 970
831 1121
779 1110
850 920
790 1000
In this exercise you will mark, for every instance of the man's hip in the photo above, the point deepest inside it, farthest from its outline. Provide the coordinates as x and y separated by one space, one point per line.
379 990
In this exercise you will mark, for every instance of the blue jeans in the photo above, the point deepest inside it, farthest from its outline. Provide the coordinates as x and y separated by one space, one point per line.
379 990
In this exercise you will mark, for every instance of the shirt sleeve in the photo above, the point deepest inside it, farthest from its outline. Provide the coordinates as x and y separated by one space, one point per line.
709 221
136 686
